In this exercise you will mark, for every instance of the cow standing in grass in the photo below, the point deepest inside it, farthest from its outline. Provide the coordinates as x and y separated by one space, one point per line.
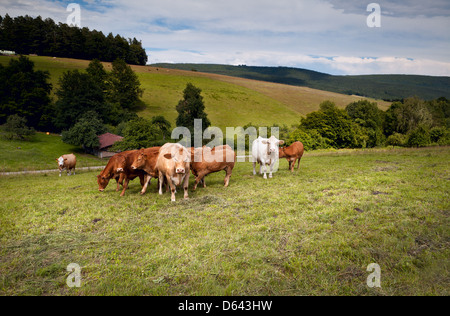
292 154
146 161
265 152
206 160
67 162
173 165
119 168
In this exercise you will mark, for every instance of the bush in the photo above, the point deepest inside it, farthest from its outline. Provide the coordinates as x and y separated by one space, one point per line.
16 127
419 137
396 139
311 139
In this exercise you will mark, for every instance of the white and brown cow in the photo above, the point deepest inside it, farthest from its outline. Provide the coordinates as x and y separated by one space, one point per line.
67 162
265 152
173 164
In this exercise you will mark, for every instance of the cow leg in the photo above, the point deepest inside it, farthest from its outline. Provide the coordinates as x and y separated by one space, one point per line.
271 170
228 170
265 171
125 186
161 182
200 178
74 171
299 159
172 188
254 168
186 186
147 182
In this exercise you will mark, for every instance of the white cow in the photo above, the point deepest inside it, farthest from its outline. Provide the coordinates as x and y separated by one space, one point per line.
265 152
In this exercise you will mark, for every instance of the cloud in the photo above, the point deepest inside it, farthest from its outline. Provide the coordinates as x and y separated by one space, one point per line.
272 32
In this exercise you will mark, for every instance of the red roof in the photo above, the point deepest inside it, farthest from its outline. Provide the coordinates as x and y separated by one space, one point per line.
108 139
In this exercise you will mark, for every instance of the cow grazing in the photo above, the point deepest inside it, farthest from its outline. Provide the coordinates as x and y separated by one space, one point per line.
265 152
173 165
292 154
119 168
146 161
67 162
205 161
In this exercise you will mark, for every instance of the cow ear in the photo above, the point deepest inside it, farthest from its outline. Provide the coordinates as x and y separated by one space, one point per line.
265 142
168 156
281 142
65 159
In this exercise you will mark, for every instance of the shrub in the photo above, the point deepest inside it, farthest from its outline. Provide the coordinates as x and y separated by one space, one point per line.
396 139
419 137
16 127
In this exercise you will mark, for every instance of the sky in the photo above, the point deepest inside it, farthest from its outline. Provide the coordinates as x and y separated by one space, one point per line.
331 36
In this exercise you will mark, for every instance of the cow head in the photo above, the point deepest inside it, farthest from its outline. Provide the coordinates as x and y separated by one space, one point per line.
139 163
61 161
282 153
181 159
102 182
272 144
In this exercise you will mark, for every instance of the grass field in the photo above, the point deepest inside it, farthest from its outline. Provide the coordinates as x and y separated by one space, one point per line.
229 101
313 232
40 153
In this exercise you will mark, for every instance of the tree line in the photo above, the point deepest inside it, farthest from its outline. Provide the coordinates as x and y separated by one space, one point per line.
91 102
27 35
411 122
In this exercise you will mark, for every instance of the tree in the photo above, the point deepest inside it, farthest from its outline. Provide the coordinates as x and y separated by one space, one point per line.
403 117
335 125
16 127
78 93
369 116
163 125
84 133
139 133
190 108
419 137
25 92
124 87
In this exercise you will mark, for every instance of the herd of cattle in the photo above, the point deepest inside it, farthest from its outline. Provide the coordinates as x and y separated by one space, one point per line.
172 164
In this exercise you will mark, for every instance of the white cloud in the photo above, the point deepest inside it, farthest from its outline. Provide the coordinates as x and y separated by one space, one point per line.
283 32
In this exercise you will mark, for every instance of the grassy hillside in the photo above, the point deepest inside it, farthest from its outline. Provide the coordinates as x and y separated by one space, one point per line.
230 101
40 153
313 232
386 87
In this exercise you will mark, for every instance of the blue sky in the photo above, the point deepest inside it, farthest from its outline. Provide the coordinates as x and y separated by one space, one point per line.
331 36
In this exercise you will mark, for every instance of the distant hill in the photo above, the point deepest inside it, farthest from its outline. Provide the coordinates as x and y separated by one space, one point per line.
382 87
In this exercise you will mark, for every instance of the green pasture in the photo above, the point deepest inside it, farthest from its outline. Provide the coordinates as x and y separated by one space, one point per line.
39 153
313 232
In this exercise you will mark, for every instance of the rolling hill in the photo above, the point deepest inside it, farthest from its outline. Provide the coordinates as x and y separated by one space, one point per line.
230 101
385 87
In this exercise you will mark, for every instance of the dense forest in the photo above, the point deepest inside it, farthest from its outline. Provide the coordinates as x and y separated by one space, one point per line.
27 35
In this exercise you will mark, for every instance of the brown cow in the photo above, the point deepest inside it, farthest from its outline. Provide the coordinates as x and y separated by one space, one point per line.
119 168
292 153
68 162
146 161
173 165
205 161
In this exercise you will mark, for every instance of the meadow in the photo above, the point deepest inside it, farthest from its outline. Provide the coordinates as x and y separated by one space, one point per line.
313 232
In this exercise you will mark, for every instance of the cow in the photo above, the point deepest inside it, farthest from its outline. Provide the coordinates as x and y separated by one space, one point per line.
67 162
146 161
173 165
265 152
119 168
205 161
292 154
